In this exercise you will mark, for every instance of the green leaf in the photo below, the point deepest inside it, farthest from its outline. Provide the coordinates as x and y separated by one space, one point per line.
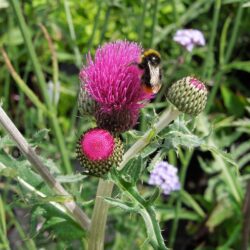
6 141
231 1
220 213
64 229
133 170
12 37
238 65
225 156
233 103
70 178
127 206
40 136
154 196
189 201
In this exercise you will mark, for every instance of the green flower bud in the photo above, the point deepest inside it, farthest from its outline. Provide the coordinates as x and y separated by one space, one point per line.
86 105
188 95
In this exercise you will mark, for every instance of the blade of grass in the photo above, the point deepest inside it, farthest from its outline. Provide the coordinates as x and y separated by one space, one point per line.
42 84
54 61
231 45
21 84
209 63
3 228
184 167
154 23
96 21
29 242
105 23
233 36
141 26
77 53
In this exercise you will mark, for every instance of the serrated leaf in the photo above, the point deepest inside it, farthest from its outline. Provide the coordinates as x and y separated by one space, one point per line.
133 170
6 141
225 156
64 229
244 160
127 206
177 138
40 135
240 150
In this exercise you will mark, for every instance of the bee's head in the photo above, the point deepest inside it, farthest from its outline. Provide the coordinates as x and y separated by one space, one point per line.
152 56
155 60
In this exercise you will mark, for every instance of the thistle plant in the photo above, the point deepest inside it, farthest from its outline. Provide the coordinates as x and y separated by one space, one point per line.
112 82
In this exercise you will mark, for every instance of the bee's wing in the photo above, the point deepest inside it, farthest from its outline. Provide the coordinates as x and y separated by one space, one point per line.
155 77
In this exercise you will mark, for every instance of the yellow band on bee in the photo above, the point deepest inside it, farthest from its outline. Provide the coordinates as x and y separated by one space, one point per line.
150 52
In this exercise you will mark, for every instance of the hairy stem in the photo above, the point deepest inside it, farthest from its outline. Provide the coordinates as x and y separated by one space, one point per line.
96 239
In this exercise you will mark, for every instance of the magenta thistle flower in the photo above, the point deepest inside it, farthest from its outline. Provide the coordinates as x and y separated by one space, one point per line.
165 176
97 150
189 38
113 80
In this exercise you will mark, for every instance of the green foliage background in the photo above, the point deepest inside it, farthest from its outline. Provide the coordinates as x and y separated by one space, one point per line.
212 152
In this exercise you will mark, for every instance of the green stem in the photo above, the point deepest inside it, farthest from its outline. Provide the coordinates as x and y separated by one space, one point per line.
235 31
105 24
98 217
209 63
141 23
147 212
231 45
97 17
179 203
72 34
168 116
42 84
154 23
96 239
29 242
28 42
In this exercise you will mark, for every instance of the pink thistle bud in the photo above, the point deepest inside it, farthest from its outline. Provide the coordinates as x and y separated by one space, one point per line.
97 144
113 80
97 150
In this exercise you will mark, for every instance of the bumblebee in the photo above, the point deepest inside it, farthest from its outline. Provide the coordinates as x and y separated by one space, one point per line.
150 62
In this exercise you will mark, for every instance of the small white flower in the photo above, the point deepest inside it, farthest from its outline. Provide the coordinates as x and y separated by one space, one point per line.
165 176
189 38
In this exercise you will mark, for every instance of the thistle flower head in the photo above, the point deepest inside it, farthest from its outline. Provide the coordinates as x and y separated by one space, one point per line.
113 80
188 95
97 150
165 176
189 38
